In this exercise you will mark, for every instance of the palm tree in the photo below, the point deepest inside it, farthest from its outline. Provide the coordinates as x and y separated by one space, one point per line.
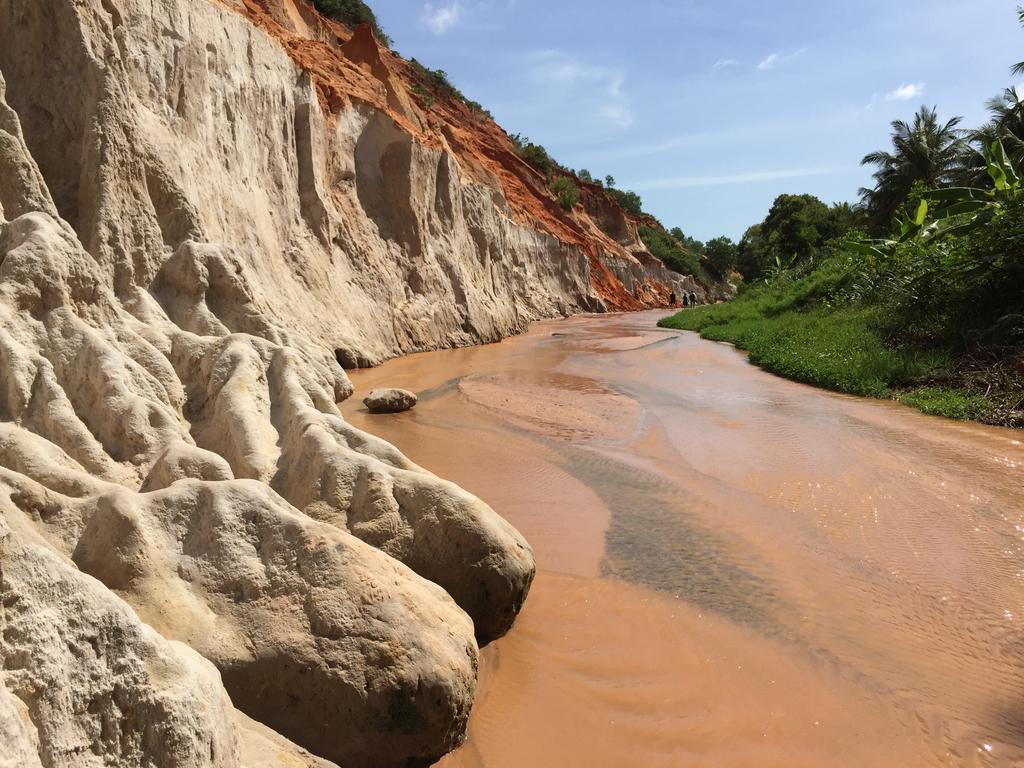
1018 69
926 152
1006 125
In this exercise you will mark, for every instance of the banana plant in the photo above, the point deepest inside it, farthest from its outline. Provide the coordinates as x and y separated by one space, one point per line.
954 211
780 267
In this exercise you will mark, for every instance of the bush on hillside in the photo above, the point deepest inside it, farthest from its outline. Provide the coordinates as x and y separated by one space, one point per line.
352 13
691 244
669 250
436 80
565 192
628 201
538 157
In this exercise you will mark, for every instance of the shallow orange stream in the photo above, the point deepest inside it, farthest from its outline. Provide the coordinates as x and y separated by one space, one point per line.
735 570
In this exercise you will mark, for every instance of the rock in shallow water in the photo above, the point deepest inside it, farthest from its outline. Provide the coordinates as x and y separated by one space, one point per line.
390 401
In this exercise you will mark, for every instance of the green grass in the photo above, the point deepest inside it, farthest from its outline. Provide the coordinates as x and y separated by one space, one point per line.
949 403
832 348
801 329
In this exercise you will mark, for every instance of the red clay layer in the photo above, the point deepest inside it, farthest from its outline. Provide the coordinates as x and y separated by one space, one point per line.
351 66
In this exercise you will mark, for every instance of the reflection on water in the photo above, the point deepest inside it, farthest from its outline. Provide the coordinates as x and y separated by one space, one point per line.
736 570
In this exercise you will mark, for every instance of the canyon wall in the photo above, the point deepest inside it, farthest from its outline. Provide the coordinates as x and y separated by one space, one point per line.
209 208
370 223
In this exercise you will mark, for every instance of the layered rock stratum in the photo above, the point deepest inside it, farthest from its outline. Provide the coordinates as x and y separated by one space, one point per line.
208 208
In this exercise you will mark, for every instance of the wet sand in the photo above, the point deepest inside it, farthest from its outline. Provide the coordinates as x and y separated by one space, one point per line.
735 570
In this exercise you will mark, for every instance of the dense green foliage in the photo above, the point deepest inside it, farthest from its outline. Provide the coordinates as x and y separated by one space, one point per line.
565 192
796 229
911 322
352 13
690 243
803 328
722 255
669 250
628 201
534 154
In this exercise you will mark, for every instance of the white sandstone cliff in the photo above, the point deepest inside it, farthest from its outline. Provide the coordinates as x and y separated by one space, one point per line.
196 231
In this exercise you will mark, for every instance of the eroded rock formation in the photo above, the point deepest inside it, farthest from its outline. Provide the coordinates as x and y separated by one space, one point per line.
390 401
207 209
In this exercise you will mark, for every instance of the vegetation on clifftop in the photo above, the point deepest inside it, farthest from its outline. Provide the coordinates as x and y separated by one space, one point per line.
669 250
352 13
566 193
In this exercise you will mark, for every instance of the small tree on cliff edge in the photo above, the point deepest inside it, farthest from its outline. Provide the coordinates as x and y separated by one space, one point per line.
566 193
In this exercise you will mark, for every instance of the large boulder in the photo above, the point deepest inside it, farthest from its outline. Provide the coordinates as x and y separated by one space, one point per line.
327 640
390 401
85 684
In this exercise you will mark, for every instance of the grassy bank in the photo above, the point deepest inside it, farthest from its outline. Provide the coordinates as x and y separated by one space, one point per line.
808 328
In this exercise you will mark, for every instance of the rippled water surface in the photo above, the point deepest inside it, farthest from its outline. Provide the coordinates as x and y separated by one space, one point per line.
735 570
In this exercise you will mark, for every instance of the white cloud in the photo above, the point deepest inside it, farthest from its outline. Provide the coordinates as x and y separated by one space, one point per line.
906 92
724 64
440 18
774 59
682 182
585 88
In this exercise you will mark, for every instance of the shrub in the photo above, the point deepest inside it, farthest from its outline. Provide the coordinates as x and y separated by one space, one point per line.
436 83
565 192
478 109
436 80
690 243
629 201
352 13
669 250
538 157
425 96
796 230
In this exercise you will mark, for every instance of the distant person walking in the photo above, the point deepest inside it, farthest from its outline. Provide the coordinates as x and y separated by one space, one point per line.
672 299
686 301
693 299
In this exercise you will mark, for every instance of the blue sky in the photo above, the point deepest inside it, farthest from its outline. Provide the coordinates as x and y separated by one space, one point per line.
711 108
